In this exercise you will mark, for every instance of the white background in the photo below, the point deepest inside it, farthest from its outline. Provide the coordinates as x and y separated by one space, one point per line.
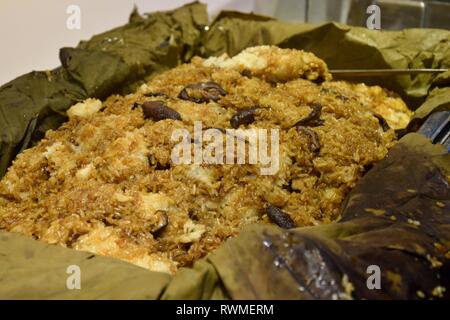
32 31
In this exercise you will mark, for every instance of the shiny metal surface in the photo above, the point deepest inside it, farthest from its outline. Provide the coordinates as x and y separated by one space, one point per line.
394 14
382 72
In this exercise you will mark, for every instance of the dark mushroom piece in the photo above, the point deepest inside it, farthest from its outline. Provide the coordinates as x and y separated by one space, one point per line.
156 165
159 166
243 117
207 91
157 110
279 217
161 223
314 141
247 73
312 119
382 121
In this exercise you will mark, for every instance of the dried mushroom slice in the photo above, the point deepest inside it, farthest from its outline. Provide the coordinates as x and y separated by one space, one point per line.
279 217
202 92
157 111
243 117
314 141
313 118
